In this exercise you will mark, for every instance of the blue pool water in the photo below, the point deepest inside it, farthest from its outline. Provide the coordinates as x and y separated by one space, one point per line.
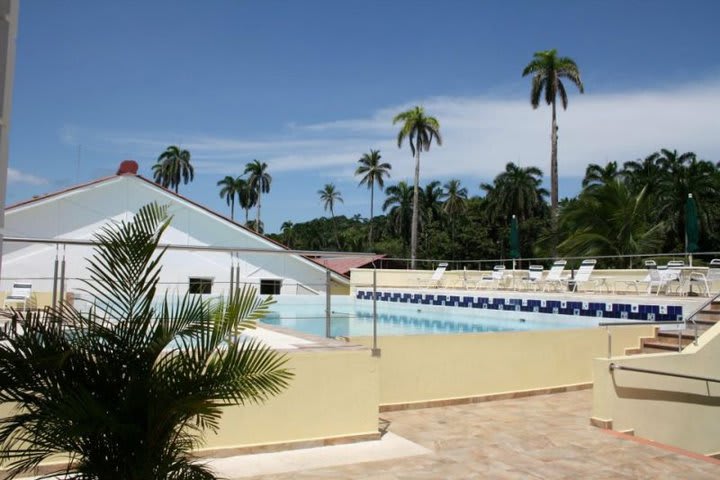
353 318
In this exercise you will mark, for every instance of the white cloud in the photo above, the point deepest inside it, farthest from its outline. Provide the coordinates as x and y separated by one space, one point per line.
16 176
480 135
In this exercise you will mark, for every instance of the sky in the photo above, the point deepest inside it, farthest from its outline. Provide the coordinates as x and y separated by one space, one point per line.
308 87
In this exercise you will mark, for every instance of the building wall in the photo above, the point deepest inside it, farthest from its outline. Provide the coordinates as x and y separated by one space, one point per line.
80 214
676 411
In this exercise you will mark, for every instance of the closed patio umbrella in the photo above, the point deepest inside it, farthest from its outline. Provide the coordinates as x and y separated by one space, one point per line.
514 240
692 227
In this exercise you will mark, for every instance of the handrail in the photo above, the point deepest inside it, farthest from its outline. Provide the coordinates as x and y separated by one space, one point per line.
614 366
691 317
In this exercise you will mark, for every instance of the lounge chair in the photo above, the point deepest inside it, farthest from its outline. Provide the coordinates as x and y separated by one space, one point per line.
555 276
21 293
534 277
496 278
435 279
673 275
582 276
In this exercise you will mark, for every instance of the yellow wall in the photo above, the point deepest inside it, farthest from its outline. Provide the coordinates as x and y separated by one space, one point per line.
333 393
420 368
680 412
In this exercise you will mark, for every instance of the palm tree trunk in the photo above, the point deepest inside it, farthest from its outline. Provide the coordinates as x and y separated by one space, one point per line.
337 237
554 181
372 201
257 220
232 211
414 226
247 213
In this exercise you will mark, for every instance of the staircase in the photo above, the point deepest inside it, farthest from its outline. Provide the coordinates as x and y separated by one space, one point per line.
674 341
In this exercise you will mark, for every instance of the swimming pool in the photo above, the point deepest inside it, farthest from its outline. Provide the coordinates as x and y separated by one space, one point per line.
353 318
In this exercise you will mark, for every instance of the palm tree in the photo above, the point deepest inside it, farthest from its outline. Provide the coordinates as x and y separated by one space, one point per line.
126 389
643 173
516 191
247 196
229 190
596 175
420 130
288 233
372 172
399 199
259 181
328 195
548 70
431 206
172 167
610 220
455 197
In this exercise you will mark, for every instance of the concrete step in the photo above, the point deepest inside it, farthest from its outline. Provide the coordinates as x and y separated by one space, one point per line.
659 348
686 337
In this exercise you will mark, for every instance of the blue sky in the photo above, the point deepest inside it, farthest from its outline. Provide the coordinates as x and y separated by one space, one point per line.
309 86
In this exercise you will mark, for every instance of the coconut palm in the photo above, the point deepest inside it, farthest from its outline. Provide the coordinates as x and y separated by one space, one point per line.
643 174
516 191
288 233
399 199
610 220
596 175
172 167
126 390
455 198
229 191
373 172
247 197
431 205
259 181
548 70
420 131
329 195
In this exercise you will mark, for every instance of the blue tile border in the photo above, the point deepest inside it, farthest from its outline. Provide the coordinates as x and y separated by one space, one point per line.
629 311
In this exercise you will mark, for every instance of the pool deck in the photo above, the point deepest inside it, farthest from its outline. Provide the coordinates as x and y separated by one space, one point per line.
546 436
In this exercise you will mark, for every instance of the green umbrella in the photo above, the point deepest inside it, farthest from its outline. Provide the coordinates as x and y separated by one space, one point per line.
514 238
692 227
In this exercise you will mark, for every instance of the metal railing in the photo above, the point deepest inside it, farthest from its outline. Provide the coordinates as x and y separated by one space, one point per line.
613 366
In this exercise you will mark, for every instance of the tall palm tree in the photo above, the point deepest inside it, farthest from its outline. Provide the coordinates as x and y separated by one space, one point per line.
259 181
399 199
247 196
329 195
373 172
420 131
548 70
228 191
516 191
454 197
126 389
172 167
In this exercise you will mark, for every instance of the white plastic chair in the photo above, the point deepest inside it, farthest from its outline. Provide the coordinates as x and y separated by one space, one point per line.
704 280
496 277
434 280
673 273
582 275
21 293
555 276
534 277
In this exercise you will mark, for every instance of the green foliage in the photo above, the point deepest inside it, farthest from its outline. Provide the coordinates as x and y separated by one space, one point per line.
173 167
127 389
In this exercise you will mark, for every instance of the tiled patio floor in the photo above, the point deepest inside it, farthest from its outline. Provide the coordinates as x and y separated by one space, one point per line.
545 436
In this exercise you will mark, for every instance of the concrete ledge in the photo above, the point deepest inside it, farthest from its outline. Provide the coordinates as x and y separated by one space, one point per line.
281 446
603 423
394 407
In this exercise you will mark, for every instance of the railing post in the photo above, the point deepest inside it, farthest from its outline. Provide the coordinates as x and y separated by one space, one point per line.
375 350
55 279
609 341
62 279
328 318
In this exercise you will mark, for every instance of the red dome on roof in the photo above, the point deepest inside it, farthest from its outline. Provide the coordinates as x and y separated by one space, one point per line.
127 166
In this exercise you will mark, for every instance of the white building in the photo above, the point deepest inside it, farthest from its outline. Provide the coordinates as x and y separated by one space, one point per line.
77 213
